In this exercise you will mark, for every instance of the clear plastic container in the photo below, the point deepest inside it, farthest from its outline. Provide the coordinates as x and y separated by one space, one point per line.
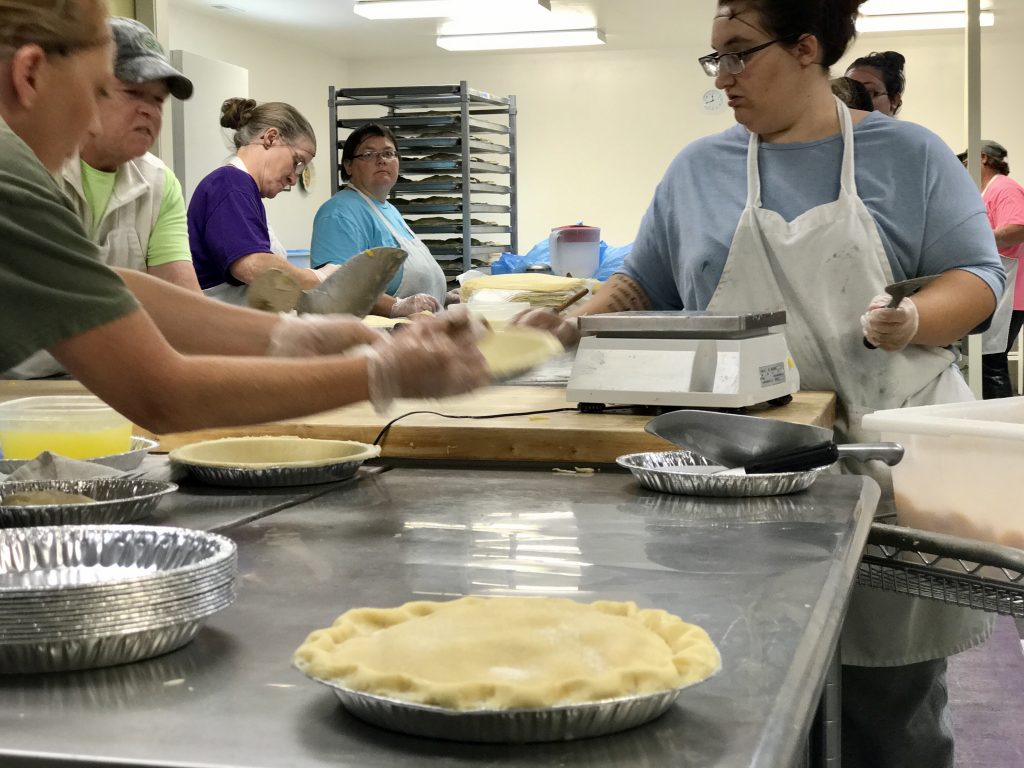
963 470
76 426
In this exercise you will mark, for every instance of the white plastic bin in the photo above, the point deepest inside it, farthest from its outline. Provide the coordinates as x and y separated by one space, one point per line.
963 470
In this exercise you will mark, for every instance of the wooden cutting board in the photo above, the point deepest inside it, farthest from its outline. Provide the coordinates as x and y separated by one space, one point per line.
564 437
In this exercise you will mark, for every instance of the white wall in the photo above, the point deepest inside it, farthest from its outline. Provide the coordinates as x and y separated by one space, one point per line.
935 69
279 70
596 128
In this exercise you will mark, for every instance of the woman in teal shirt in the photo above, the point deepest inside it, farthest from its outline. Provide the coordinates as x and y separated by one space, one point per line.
359 216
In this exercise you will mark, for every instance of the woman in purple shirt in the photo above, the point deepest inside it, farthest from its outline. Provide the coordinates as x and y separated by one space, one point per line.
227 223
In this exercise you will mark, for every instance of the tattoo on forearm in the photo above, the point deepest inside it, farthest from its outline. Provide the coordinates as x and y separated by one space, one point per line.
626 294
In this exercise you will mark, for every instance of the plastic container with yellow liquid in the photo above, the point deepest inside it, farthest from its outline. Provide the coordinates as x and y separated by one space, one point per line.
76 426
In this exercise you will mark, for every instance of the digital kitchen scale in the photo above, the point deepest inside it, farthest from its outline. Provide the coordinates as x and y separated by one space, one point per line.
696 359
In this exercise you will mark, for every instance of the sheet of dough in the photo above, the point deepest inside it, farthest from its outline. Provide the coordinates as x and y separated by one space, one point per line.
516 349
264 452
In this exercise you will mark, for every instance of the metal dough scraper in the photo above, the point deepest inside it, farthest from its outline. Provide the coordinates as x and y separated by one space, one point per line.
353 289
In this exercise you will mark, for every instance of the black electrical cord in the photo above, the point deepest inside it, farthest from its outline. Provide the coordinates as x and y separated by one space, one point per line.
386 427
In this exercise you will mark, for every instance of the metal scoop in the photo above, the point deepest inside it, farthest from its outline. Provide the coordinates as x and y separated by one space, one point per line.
762 445
899 291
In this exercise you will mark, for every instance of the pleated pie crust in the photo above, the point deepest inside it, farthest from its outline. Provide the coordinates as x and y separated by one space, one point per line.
507 653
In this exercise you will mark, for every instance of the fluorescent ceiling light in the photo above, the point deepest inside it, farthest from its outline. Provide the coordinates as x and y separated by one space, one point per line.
908 22
548 38
429 9
895 7
521 20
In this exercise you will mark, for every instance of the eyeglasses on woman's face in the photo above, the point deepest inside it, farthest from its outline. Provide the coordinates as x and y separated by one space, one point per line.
731 63
387 155
299 163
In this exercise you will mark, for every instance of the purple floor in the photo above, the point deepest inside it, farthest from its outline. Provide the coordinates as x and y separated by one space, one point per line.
986 694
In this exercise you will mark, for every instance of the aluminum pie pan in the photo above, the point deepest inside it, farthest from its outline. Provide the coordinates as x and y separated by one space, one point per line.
689 474
127 461
168 588
70 602
71 610
116 500
49 559
560 723
269 462
90 653
274 477
115 623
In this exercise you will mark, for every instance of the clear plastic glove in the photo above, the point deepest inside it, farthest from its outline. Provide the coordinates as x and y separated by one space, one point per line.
418 302
565 329
427 359
890 329
310 335
322 273
452 297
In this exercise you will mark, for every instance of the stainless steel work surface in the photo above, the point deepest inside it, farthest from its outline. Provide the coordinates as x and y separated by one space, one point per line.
768 578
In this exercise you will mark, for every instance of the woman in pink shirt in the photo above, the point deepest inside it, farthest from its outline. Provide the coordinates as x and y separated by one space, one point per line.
1004 202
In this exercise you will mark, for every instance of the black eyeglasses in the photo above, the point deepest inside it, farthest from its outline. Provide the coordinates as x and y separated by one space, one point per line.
386 155
732 63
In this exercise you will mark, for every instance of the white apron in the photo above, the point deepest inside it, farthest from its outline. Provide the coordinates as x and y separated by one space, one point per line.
823 268
994 340
420 273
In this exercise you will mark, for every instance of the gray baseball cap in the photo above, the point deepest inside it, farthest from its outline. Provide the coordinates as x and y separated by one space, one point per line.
140 59
991 148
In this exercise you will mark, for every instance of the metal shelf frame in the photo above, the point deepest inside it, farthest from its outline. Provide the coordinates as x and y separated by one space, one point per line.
457 120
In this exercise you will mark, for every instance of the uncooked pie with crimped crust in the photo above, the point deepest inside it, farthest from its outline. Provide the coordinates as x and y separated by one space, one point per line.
508 652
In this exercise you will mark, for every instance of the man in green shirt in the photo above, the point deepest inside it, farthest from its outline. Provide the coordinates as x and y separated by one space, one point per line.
129 202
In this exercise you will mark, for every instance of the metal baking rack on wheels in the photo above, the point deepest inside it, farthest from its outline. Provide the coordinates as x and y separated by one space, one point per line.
457 187
964 572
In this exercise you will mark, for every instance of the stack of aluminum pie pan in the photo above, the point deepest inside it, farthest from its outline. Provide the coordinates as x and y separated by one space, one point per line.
78 597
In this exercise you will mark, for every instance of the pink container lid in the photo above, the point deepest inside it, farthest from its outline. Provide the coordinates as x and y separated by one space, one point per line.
578 233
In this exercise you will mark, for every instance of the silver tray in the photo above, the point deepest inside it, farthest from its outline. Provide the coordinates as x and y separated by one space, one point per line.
564 723
66 655
690 474
116 500
93 560
28 604
72 609
78 597
126 461
100 624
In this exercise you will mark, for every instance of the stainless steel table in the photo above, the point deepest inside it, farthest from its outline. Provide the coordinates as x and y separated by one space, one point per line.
767 578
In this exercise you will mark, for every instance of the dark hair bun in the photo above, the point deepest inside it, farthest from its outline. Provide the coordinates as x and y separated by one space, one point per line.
236 112
894 59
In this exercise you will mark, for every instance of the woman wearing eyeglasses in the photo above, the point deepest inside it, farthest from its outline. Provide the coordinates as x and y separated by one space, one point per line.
228 233
882 74
809 207
359 216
